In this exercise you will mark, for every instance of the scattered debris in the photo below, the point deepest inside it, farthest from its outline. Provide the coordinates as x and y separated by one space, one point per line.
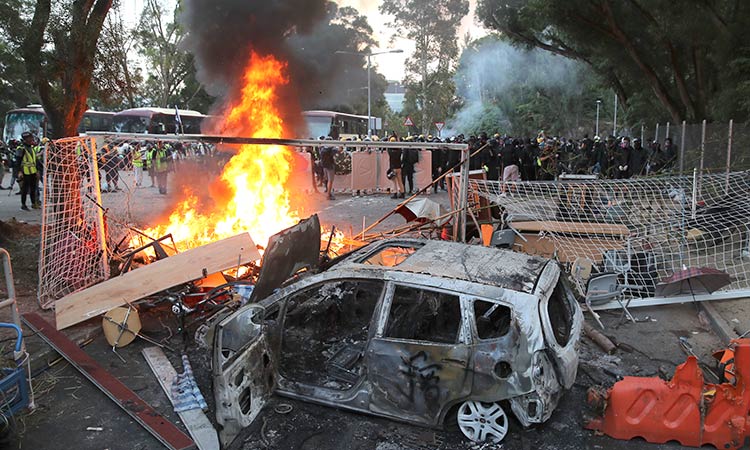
684 409
163 274
599 338
195 420
162 429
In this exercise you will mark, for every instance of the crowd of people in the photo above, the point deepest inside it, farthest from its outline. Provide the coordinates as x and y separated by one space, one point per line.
506 158
502 157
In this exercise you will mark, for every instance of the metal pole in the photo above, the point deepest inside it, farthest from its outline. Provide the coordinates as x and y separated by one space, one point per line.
597 117
682 149
643 134
703 154
656 134
667 133
729 156
614 120
369 111
464 193
695 192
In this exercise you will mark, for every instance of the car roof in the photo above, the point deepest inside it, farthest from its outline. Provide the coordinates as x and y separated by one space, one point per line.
474 263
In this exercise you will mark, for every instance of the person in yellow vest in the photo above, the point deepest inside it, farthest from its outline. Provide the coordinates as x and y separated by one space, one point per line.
160 164
27 157
137 163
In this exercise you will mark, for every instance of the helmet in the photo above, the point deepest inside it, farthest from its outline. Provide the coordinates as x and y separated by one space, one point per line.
27 134
392 139
45 140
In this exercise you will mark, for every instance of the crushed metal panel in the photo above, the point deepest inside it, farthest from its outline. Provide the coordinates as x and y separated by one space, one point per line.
243 371
288 252
683 409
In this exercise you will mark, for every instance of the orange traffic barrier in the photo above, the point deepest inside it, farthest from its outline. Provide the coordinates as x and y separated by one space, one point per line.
684 409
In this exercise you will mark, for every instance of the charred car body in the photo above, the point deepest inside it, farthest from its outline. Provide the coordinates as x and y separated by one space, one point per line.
408 329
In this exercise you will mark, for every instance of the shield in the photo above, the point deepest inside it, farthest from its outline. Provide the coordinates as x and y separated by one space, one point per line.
693 280
421 210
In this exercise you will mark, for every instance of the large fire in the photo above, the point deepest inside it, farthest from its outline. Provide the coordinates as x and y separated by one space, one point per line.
253 183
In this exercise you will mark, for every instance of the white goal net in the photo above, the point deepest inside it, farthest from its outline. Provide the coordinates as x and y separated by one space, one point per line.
73 250
645 229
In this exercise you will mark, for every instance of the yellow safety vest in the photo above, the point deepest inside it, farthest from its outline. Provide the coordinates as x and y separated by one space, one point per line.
137 159
160 160
28 163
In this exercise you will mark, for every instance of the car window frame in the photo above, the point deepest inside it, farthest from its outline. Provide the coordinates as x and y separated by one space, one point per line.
464 332
469 300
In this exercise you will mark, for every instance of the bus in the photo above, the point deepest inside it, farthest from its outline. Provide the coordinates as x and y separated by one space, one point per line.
33 118
157 121
337 125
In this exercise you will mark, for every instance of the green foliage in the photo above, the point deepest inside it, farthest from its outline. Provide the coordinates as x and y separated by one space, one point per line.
429 73
169 66
15 89
665 59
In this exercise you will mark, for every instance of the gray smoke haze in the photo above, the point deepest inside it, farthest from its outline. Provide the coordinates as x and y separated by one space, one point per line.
496 71
221 35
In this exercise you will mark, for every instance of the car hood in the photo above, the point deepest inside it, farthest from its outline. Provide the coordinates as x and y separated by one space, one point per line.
288 252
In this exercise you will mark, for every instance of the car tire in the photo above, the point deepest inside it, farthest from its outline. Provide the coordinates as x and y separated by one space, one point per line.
483 422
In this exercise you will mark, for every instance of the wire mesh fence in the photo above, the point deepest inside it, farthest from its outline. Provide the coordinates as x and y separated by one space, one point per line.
644 228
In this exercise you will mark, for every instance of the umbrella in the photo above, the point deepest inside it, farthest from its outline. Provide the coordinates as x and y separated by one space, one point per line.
693 280
422 210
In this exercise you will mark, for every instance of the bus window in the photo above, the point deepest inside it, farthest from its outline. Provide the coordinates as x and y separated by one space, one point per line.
318 126
18 122
130 124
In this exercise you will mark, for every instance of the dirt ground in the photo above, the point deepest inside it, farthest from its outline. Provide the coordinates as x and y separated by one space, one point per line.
67 404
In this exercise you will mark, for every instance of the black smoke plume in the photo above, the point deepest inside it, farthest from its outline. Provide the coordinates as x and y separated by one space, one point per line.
221 35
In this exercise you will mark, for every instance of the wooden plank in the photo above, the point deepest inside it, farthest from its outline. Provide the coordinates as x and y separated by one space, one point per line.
195 420
156 424
571 227
188 266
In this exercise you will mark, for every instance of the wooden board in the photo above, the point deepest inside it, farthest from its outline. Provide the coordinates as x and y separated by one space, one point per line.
191 265
195 420
156 424
554 226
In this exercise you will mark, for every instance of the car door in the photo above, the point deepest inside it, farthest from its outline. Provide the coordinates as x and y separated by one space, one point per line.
418 362
243 370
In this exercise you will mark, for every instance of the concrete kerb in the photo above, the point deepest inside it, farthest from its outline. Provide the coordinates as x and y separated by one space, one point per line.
718 324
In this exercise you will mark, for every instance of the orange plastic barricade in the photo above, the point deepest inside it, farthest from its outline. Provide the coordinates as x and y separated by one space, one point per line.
683 409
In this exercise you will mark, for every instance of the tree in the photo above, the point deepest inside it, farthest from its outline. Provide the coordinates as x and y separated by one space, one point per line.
117 80
15 88
61 71
159 42
433 27
675 57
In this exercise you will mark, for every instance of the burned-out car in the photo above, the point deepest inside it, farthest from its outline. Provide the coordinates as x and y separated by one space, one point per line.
413 330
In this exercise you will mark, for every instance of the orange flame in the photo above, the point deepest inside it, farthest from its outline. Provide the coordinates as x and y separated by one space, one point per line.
254 179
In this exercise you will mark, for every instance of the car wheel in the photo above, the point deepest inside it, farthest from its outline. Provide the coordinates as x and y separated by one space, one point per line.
482 422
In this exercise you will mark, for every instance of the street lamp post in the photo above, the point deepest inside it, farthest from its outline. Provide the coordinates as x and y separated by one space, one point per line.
369 96
598 103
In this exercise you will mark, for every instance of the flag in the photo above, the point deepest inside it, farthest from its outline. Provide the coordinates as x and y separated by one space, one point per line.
177 121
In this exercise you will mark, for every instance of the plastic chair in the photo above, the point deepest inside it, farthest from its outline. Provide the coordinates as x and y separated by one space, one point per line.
603 288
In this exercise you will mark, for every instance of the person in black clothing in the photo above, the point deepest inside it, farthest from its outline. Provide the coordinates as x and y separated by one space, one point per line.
409 157
394 166
638 158
492 159
622 167
437 166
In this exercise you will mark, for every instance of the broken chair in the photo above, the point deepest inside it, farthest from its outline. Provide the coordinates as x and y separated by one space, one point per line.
603 288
